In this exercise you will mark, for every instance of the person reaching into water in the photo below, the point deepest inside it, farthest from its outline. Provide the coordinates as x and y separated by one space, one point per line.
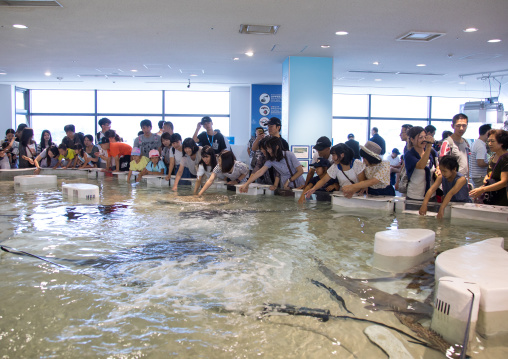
228 168
454 186
48 158
137 165
190 161
321 165
206 166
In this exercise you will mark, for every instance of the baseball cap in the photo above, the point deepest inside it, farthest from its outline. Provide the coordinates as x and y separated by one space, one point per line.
396 150
274 121
321 162
205 119
153 153
136 151
322 143
350 135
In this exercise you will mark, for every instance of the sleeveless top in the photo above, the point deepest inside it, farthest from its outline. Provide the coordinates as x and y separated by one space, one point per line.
462 195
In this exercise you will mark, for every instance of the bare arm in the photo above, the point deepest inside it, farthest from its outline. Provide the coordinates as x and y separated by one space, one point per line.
195 136
170 168
461 182
435 186
207 184
493 187
178 176
318 185
252 178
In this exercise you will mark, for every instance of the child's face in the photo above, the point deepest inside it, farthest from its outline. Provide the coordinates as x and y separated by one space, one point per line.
206 160
154 159
335 158
448 174
320 171
62 151
136 158
188 151
166 142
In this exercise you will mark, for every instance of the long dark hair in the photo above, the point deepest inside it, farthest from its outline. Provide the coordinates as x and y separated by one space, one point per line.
275 144
43 143
342 148
189 142
53 149
227 161
26 137
207 151
79 149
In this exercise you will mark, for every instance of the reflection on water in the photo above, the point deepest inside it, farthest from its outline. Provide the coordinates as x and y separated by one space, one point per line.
173 277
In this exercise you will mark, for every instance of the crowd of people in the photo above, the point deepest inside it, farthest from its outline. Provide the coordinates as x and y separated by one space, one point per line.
428 171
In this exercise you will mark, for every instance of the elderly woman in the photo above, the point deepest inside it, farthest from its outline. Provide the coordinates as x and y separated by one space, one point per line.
377 173
496 181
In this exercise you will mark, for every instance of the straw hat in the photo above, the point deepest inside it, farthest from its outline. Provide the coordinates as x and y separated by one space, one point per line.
372 149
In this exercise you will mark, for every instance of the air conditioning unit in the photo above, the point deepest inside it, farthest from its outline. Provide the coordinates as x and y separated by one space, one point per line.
488 111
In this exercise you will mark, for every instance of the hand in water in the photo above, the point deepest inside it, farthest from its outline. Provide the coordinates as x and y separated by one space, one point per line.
244 188
423 210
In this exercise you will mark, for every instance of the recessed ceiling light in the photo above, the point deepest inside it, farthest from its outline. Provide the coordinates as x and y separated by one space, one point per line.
471 29
325 46
236 58
3 73
47 73
134 70
193 75
378 80
462 83
495 40
421 65
19 26
375 63
341 33
249 53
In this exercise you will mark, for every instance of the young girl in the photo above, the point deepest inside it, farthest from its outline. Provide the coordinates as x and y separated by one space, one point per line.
284 162
155 166
46 141
46 159
377 173
166 148
90 150
138 164
345 169
206 166
321 165
454 185
27 148
190 160
228 167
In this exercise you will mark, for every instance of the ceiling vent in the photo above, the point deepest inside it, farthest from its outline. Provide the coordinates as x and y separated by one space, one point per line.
259 29
30 3
419 36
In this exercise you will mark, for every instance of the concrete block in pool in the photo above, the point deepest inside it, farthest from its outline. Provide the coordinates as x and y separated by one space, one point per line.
480 212
81 191
384 203
484 263
35 180
253 190
156 180
401 249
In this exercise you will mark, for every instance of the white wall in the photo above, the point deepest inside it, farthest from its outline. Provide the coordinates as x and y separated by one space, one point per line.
7 108
239 114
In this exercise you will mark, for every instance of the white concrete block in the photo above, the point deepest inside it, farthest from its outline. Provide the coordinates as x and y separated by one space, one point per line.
35 180
81 191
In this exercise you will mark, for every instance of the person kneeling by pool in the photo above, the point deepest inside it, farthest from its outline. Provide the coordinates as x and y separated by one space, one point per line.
455 187
321 165
155 166
137 164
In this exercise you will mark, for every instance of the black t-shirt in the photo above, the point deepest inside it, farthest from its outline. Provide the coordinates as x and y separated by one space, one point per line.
217 141
314 180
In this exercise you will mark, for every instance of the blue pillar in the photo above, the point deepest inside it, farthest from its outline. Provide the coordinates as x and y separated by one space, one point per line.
307 89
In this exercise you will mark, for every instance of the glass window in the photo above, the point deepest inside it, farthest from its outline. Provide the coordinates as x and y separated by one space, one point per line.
350 105
343 127
56 124
390 131
127 127
186 126
20 119
62 101
191 102
399 106
447 107
129 102
20 100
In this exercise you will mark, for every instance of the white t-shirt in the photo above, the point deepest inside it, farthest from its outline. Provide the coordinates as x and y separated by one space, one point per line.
357 168
315 157
478 152
393 161
239 168
177 156
202 171
192 164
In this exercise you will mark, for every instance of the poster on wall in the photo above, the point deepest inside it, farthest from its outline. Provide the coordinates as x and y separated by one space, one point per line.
265 103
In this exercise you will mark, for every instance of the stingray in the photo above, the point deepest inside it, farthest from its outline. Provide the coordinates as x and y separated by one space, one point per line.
212 213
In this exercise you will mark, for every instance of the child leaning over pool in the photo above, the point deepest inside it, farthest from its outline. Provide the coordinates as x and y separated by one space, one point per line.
137 164
321 166
454 185
155 166
206 166
228 168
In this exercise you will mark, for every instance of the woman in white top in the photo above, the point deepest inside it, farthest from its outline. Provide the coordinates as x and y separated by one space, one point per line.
190 161
345 169
228 168
206 166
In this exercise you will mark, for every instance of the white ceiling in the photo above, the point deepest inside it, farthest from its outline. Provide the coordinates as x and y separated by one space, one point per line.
101 37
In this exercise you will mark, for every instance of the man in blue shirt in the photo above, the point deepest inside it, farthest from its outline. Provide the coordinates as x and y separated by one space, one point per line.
378 139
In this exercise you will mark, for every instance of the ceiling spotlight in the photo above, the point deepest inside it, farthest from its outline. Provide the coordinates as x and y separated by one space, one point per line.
134 70
378 80
471 29
375 63
19 26
236 58
47 73
193 75
341 33
3 73
462 83
421 65
495 40
325 46
249 53
188 86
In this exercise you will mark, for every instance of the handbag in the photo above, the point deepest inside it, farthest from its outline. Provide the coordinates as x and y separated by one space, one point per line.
493 197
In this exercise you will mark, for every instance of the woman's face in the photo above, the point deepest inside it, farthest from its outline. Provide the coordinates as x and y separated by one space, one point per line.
493 144
206 160
46 136
419 141
188 151
9 136
166 142
50 154
176 144
87 142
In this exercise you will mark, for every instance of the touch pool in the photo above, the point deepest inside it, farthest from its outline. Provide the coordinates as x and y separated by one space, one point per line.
148 275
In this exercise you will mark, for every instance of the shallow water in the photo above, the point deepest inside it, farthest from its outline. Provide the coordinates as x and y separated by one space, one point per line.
146 276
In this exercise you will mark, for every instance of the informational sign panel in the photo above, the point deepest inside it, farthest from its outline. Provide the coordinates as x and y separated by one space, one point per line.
266 103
